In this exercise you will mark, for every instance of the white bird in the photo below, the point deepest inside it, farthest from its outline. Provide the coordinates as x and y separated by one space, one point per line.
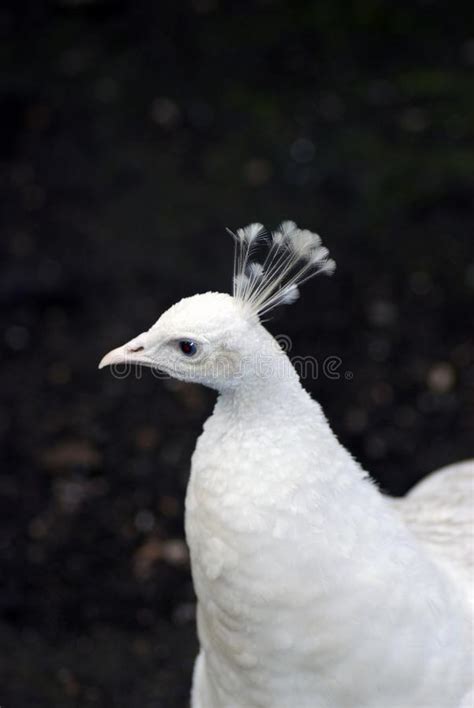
314 590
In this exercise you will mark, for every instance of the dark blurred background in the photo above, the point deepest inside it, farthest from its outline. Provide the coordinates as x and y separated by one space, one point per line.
131 133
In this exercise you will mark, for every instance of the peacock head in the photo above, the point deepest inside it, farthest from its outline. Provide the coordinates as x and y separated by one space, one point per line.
201 339
215 338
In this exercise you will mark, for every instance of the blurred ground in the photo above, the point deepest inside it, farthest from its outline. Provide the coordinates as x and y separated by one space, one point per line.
131 134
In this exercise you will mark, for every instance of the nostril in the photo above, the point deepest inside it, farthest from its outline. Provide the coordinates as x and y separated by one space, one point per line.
134 350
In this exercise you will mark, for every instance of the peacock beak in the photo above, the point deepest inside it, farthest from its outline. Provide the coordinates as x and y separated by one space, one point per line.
133 352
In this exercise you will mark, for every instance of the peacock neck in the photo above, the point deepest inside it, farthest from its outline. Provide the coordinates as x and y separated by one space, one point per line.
267 384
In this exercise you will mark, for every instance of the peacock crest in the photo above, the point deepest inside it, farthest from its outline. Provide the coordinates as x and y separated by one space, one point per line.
269 266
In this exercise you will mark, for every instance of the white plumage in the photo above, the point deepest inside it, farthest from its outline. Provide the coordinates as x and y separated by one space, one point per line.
314 590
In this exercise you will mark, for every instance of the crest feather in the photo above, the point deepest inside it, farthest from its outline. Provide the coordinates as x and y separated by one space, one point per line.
250 233
292 256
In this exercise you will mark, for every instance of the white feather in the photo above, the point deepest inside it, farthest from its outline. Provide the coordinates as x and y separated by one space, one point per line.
290 295
255 270
304 242
287 228
319 254
293 256
241 281
328 267
251 232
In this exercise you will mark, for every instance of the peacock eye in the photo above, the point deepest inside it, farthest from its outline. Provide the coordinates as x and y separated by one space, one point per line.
188 347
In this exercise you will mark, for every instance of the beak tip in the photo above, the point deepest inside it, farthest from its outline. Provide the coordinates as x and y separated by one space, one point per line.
107 360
